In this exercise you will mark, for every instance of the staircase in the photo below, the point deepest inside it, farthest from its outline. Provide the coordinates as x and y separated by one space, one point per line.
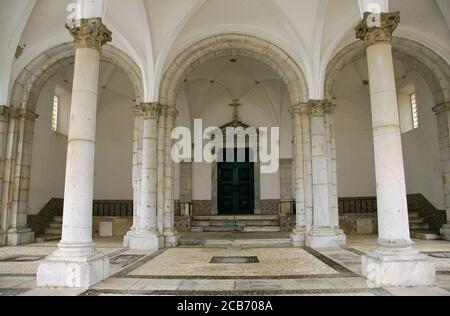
420 229
53 231
236 224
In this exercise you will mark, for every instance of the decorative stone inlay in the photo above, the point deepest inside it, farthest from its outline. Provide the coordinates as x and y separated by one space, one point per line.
90 33
234 260
371 35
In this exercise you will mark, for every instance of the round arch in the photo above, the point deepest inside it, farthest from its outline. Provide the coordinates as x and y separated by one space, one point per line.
32 79
433 68
233 44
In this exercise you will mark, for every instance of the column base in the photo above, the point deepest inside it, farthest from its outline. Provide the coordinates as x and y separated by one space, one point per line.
398 267
445 232
17 237
298 238
145 241
2 239
73 267
127 238
171 239
325 238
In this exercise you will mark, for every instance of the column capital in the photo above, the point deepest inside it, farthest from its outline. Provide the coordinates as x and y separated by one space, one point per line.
441 108
90 33
302 109
377 28
319 107
29 115
4 111
150 110
330 108
172 111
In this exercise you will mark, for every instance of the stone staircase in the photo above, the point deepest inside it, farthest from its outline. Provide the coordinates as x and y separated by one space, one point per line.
236 224
53 231
420 229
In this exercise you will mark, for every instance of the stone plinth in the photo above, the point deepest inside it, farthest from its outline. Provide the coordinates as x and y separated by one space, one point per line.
69 269
445 232
398 267
16 237
325 238
146 241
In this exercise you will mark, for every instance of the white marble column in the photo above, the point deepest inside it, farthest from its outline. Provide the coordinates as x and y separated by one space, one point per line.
76 263
395 262
322 233
147 236
170 234
299 232
4 120
443 121
162 168
137 170
330 109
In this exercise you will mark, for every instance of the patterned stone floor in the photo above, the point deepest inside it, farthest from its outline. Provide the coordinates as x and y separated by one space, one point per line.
281 270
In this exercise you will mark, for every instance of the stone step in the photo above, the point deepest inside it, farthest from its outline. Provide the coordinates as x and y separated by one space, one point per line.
53 231
58 219
55 225
417 220
414 215
221 229
237 218
424 226
425 235
47 238
256 229
234 223
232 242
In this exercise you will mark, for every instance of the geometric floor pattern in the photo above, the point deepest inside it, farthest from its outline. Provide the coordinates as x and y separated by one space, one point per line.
225 271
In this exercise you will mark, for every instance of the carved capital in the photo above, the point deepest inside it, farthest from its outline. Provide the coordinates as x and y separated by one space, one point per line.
442 108
28 115
4 112
150 110
318 107
300 109
90 33
172 112
330 108
375 29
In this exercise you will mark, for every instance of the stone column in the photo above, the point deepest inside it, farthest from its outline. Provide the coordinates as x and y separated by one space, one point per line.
137 170
332 172
443 120
147 236
162 168
322 233
76 263
170 234
4 120
395 262
18 232
307 165
299 232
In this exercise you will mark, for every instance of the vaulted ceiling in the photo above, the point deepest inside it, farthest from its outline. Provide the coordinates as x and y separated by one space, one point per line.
154 32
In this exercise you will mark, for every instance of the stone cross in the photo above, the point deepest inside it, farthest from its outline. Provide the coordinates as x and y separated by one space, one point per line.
235 106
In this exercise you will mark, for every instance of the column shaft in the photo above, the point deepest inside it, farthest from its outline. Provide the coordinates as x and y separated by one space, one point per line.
76 263
395 262
161 168
170 233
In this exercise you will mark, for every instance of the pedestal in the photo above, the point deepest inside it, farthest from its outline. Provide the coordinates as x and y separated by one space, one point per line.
16 237
171 239
325 238
73 268
147 242
398 268
445 232
298 238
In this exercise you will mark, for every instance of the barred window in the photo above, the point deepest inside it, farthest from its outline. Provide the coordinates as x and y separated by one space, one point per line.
55 113
415 113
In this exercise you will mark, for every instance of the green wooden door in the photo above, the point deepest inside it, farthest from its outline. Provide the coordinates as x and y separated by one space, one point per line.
236 186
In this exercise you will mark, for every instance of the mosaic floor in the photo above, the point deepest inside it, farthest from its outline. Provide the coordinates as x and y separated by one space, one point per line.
225 271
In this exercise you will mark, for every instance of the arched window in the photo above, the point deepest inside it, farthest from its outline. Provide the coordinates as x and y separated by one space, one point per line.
55 113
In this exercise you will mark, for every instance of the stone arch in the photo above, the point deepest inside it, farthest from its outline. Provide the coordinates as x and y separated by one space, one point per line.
233 44
433 68
29 83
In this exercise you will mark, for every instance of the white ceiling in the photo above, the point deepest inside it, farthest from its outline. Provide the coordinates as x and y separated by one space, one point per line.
154 32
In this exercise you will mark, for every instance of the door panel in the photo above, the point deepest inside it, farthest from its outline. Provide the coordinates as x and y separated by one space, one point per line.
236 186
